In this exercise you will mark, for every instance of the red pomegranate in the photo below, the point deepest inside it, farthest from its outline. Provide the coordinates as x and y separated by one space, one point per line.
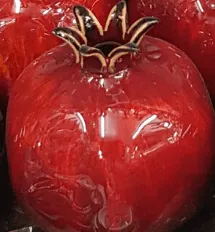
25 31
114 136
188 24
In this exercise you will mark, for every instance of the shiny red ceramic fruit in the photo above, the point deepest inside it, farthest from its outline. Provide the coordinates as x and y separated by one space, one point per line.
25 31
188 24
115 136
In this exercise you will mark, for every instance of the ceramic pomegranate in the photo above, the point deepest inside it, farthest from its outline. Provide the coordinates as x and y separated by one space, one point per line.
188 24
25 31
116 135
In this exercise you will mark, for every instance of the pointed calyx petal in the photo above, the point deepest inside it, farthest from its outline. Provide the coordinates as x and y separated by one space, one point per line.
87 22
73 37
71 32
140 28
86 51
118 16
118 52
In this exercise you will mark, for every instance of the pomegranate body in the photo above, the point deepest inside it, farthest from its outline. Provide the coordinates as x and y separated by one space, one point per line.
25 31
188 24
132 151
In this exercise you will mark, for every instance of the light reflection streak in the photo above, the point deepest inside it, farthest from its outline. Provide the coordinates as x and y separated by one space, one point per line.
17 6
83 124
102 126
143 124
199 5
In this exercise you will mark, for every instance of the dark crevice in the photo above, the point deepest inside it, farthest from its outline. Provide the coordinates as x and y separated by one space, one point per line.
107 47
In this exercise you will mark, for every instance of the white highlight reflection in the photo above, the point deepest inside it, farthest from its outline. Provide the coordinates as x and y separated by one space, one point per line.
100 154
83 124
199 5
17 6
102 81
45 12
143 124
102 126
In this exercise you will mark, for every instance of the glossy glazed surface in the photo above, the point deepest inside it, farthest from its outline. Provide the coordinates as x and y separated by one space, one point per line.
25 31
132 152
188 24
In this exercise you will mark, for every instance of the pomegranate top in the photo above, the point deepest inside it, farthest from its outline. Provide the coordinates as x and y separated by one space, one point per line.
105 45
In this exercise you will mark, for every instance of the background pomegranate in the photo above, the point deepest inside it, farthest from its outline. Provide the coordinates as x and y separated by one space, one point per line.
25 31
128 147
188 24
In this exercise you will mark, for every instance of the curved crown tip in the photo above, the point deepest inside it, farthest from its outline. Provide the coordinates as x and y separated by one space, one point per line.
155 20
57 31
79 8
122 2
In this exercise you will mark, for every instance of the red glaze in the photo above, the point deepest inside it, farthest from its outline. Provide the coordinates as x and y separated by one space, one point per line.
188 24
25 31
130 152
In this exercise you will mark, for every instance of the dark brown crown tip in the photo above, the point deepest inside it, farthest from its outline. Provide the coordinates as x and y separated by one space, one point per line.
154 20
55 31
81 10
121 4
60 31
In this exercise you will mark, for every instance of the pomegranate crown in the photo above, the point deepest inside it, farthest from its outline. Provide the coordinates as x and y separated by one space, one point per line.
81 37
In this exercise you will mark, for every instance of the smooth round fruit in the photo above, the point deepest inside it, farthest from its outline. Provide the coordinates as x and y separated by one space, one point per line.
129 152
25 31
116 136
188 24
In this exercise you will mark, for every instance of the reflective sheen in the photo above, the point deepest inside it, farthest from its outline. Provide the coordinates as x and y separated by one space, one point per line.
131 152
25 31
188 24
